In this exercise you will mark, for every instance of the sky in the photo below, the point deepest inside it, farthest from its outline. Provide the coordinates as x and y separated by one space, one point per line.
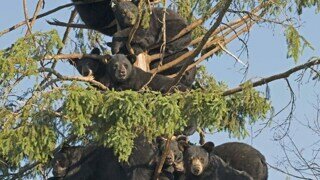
267 56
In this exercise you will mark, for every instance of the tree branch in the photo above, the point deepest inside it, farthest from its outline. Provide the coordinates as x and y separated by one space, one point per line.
25 12
206 37
43 15
69 25
64 40
162 159
74 78
283 75
134 28
75 56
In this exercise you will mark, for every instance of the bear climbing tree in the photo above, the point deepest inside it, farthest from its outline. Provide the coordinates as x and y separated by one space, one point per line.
104 117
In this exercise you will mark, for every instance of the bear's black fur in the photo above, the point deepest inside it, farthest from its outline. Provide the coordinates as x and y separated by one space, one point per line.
98 16
85 163
243 157
144 39
173 164
189 76
92 67
142 161
125 76
201 164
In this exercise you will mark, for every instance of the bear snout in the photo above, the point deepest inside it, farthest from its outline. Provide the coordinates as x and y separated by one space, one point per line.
196 167
87 72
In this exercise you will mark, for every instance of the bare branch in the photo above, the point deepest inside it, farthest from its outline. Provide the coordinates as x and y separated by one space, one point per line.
75 56
74 78
227 3
275 77
25 12
35 14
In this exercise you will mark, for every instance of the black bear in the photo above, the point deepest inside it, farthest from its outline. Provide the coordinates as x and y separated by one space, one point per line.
125 76
142 161
92 67
98 16
201 164
85 163
173 164
243 157
145 38
189 76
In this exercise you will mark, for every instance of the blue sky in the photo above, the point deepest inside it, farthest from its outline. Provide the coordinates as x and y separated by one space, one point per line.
267 56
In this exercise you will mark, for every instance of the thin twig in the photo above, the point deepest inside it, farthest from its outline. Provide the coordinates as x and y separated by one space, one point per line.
232 55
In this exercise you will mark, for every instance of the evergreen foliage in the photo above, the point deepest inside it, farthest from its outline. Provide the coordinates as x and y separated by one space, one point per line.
37 120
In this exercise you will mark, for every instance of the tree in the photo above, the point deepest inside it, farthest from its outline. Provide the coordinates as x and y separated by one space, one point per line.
43 108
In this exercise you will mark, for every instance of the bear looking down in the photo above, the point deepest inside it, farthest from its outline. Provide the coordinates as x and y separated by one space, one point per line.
201 164
126 14
125 76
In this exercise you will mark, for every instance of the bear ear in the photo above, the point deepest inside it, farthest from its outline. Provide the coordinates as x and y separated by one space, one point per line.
95 51
208 146
132 58
107 58
160 140
182 138
183 144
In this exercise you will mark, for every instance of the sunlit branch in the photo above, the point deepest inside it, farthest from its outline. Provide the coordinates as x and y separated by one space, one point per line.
283 75
74 78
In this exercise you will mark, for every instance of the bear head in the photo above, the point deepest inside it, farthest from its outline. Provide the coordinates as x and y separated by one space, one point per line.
196 158
126 13
120 67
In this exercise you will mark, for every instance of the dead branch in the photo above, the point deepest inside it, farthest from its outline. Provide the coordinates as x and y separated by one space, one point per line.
26 16
75 56
35 14
283 75
74 78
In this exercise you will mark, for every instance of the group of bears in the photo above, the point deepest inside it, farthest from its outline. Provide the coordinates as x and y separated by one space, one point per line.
116 18
184 161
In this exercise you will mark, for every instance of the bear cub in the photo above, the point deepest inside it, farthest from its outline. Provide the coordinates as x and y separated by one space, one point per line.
125 76
145 39
201 164
92 67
